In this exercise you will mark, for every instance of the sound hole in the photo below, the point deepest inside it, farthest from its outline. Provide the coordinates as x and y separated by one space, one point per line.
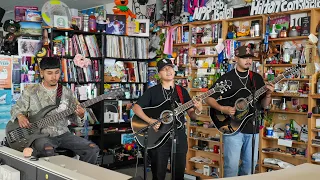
166 117
241 104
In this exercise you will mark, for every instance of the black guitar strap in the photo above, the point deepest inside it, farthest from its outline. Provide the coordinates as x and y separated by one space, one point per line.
59 94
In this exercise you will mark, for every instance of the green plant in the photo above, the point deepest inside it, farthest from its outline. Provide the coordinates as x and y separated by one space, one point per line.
159 52
268 119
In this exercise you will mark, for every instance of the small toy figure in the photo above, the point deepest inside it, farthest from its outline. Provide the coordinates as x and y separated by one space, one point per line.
10 43
287 132
122 9
101 24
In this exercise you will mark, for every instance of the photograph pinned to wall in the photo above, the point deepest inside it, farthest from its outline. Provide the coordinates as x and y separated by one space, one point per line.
142 27
60 21
127 139
115 24
28 47
5 71
16 93
151 11
5 107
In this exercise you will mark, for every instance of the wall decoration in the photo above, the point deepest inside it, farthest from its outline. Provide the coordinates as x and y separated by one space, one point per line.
151 12
60 21
5 107
5 71
122 9
19 12
32 28
213 10
115 24
28 47
77 21
98 10
142 27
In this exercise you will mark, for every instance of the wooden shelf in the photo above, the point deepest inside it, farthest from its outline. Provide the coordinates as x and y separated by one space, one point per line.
289 95
203 45
316 115
181 44
199 90
293 142
245 18
314 96
287 155
178 77
199 175
247 38
205 22
290 12
203 56
289 38
211 165
210 153
282 65
315 130
271 166
288 112
315 146
202 139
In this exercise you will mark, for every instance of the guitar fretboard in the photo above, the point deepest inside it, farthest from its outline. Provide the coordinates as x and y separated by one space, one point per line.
189 104
264 88
57 117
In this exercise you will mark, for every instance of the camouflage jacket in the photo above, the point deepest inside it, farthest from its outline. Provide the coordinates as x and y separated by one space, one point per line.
36 97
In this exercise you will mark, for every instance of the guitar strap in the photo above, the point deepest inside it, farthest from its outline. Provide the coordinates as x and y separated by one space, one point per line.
251 78
59 94
179 91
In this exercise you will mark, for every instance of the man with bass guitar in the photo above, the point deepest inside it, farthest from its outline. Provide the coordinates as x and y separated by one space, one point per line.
238 144
154 97
42 95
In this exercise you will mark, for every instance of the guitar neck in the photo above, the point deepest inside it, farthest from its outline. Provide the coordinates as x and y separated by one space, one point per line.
190 103
57 117
264 88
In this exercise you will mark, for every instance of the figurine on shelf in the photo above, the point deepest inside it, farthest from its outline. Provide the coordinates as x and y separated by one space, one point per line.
122 9
207 39
287 132
101 24
232 31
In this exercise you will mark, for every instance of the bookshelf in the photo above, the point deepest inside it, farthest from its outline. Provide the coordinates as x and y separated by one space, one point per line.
108 135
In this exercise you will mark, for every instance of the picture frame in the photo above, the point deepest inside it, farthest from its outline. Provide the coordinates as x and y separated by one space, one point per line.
28 47
77 21
116 24
142 27
60 21
276 103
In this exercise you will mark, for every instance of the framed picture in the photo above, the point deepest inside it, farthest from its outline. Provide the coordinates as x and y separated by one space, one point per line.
77 21
276 103
28 47
60 21
142 27
32 28
116 24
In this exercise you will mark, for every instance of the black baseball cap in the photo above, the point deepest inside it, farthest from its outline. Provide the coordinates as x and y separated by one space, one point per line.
244 51
164 62
49 63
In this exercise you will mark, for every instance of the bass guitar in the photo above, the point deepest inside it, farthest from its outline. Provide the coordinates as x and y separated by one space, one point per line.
229 125
163 114
20 138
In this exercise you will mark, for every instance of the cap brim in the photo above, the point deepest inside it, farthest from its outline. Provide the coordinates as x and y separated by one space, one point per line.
244 56
166 65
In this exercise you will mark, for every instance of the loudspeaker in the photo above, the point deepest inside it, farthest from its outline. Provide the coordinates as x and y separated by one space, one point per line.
2 11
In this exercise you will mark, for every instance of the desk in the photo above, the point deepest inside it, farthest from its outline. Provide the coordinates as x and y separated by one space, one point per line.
86 169
37 170
305 171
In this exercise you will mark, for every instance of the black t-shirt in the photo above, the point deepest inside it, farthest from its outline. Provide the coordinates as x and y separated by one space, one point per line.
157 95
236 85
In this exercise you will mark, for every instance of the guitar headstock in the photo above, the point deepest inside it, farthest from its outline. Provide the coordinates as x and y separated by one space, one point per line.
116 93
294 70
223 86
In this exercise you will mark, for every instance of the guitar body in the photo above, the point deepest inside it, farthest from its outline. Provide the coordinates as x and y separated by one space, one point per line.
20 138
158 138
228 125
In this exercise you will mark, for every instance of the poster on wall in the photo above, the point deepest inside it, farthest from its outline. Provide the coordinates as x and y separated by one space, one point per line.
151 10
5 71
116 24
98 10
5 107
28 47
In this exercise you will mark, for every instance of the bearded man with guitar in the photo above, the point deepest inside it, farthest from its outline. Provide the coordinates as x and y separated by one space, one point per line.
154 97
45 94
238 143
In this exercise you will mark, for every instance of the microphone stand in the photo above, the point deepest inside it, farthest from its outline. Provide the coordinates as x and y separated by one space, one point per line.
254 121
173 137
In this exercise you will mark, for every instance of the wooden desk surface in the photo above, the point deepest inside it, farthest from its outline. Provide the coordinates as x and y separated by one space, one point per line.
305 171
86 169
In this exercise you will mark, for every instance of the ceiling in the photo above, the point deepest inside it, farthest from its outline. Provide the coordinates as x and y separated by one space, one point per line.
8 5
